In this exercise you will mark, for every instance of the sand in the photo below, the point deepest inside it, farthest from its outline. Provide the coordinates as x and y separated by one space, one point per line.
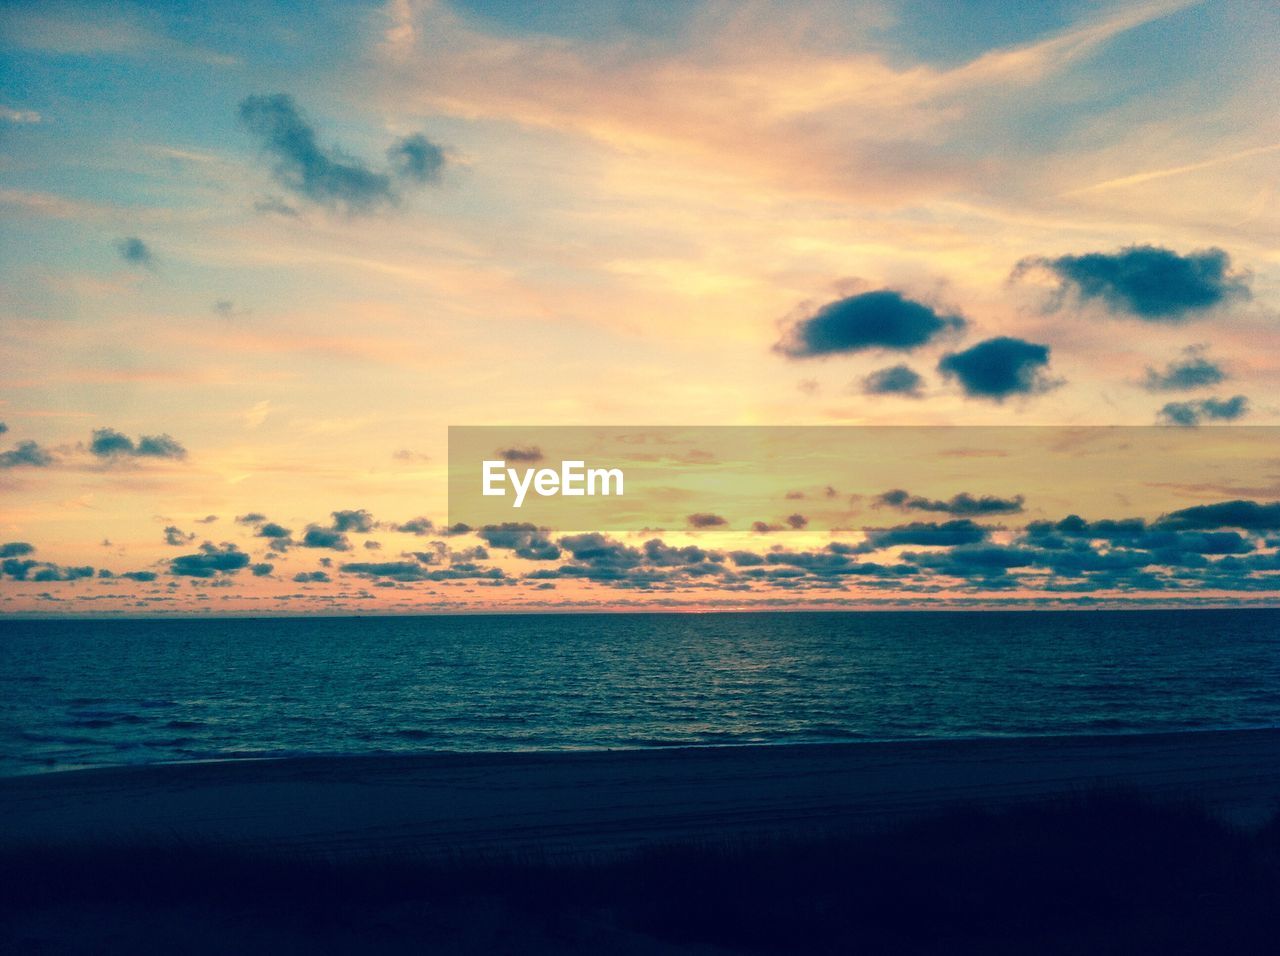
562 804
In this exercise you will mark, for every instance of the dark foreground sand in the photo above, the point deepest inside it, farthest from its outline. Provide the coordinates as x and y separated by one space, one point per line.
570 804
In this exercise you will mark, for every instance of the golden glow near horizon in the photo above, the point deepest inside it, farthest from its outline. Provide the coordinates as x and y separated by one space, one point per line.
303 242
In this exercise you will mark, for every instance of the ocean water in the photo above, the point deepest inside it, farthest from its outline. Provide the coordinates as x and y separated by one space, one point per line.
93 693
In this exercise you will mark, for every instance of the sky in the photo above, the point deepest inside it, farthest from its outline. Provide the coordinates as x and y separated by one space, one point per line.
258 257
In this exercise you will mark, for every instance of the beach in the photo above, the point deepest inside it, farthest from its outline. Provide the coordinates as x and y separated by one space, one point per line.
1128 843
606 802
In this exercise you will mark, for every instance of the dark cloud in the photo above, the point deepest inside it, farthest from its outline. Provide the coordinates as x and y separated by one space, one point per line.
3 428
970 560
394 570
526 540
409 571
135 252
261 570
26 454
140 576
418 526
704 519
318 537
109 443
529 453
1190 372
324 176
998 368
872 320
16 568
1149 282
359 521
207 519
1052 534
416 158
894 380
945 534
54 572
1190 414
273 530
175 536
16 549
1249 515
599 556
211 561
797 522
660 554
253 517
961 504
307 577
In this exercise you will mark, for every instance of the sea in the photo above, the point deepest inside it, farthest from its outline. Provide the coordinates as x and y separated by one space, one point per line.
81 693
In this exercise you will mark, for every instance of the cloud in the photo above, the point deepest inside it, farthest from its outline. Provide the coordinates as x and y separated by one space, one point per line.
212 560
3 428
15 549
894 380
175 536
1149 282
884 319
526 540
318 537
602 554
998 368
323 176
926 533
1249 515
143 577
814 104
528 453
1190 372
327 176
418 526
394 570
1190 414
279 538
661 554
706 520
135 252
262 569
359 521
26 454
109 443
253 517
416 158
306 577
961 504
42 571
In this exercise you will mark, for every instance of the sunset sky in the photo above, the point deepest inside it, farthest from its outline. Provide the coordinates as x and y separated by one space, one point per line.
256 259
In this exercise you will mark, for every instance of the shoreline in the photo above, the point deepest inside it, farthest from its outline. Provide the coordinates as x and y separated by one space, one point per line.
622 749
616 801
